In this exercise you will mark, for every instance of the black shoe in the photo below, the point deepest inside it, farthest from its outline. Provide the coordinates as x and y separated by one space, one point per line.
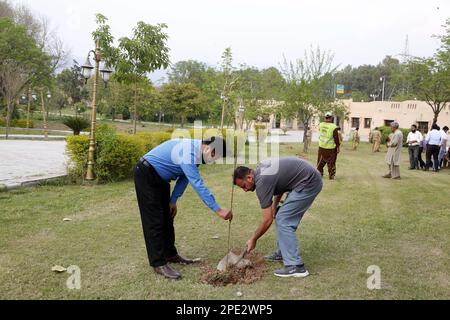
168 272
180 260
292 272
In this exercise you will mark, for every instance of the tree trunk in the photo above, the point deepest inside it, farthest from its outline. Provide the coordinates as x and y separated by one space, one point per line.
436 115
135 107
8 119
305 137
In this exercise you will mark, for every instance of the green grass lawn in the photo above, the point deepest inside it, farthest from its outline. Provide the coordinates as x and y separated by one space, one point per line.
359 220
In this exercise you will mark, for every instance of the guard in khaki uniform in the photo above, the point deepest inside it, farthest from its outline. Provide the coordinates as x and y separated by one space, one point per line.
329 146
394 154
376 140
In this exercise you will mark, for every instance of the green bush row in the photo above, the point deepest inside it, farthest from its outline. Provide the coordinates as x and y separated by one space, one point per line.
386 131
17 123
116 154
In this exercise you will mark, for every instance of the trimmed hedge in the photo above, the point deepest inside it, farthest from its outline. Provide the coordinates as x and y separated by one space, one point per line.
386 131
116 154
17 123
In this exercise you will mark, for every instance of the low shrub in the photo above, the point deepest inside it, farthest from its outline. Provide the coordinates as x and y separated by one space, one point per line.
115 156
17 123
386 131
76 124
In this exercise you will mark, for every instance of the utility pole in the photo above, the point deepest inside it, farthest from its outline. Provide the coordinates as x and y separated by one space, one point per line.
383 79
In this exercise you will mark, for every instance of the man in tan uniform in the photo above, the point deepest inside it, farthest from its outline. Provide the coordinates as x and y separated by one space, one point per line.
376 140
356 139
393 156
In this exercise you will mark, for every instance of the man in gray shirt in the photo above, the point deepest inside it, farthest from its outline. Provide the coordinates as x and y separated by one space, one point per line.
271 180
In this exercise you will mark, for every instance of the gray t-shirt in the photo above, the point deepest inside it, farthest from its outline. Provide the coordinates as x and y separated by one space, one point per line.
277 176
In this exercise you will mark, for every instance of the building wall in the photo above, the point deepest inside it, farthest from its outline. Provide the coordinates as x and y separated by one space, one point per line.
381 113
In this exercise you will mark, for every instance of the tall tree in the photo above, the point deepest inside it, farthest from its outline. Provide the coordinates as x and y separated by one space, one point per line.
307 81
21 63
70 81
183 100
145 52
431 76
229 79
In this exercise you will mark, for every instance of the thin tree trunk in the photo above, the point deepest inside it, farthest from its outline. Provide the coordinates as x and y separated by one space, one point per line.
135 106
8 120
305 136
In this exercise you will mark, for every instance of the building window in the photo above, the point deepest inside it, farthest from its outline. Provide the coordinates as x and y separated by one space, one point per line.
423 126
387 123
355 122
367 123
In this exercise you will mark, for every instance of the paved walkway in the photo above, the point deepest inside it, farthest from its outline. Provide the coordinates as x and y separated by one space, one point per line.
24 161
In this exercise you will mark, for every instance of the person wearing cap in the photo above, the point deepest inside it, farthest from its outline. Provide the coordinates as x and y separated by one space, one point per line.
329 146
394 154
175 160
356 139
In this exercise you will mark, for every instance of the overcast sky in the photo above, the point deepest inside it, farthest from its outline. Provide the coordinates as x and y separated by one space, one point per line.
260 31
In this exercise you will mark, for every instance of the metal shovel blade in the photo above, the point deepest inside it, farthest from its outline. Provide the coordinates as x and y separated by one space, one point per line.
232 259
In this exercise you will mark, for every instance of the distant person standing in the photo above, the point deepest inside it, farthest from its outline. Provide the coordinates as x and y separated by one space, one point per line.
422 149
376 140
394 154
434 142
329 146
443 150
356 139
413 141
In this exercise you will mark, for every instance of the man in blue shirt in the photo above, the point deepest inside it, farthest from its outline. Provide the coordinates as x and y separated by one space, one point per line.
175 160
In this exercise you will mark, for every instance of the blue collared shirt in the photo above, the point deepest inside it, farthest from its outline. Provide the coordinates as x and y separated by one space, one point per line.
178 160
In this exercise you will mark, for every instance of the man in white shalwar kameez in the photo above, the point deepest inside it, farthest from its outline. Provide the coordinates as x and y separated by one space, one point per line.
394 154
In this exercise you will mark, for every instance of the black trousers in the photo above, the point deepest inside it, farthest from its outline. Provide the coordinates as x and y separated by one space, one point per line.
153 195
421 162
433 151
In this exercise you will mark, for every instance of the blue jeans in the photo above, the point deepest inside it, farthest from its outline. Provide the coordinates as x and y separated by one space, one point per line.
441 156
287 222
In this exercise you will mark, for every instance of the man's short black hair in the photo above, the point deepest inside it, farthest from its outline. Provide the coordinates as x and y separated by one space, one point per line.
241 173
218 144
445 128
414 126
435 127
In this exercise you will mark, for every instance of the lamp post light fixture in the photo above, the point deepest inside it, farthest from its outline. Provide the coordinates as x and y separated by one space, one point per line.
374 96
87 73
